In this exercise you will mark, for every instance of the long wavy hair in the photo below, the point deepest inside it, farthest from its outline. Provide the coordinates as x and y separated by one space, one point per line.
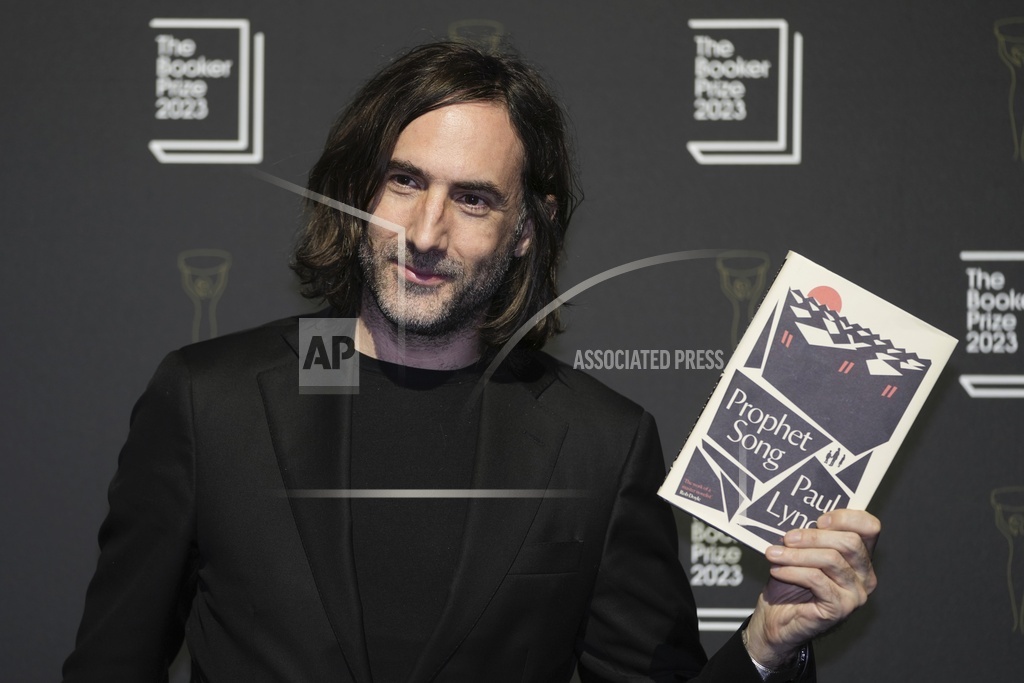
359 148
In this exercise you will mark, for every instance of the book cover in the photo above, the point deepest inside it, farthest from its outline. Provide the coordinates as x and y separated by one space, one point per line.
809 411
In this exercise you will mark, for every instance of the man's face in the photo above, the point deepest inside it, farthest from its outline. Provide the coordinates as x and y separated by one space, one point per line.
454 185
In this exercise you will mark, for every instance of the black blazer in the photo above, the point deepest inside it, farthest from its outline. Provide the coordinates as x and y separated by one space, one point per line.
201 540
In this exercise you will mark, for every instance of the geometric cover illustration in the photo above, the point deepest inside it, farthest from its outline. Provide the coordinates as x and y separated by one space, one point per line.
829 361
809 411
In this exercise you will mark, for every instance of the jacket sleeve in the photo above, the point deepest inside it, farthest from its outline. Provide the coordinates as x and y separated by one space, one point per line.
136 602
642 624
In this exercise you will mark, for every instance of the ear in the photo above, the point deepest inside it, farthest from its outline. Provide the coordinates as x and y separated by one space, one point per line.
525 239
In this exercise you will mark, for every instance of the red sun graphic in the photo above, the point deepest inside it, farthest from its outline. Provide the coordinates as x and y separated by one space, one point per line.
827 297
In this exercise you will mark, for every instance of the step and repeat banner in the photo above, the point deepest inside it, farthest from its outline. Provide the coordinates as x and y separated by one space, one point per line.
148 152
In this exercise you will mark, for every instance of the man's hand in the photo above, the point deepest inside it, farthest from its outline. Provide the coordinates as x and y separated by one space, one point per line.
818 578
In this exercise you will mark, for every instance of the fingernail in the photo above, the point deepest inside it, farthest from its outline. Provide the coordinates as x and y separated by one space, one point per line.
794 536
825 522
774 551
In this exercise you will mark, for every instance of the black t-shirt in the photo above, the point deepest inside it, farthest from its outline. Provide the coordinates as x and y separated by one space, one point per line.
411 429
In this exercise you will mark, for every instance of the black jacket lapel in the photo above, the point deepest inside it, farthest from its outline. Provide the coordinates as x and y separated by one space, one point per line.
310 435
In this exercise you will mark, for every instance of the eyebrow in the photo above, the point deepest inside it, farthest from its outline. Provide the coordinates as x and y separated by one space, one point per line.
477 186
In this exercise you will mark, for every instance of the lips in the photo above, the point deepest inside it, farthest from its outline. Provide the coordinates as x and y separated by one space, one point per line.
422 276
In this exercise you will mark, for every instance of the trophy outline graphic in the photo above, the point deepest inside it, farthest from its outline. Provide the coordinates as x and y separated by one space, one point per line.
1010 44
203 282
753 152
742 284
1008 505
486 34
224 151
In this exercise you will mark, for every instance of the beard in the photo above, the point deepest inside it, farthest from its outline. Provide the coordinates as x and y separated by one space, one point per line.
455 305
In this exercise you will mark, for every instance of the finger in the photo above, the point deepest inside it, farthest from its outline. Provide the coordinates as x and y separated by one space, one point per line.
836 587
829 602
849 544
860 522
831 559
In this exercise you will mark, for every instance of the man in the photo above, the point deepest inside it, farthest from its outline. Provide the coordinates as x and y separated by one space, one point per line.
466 153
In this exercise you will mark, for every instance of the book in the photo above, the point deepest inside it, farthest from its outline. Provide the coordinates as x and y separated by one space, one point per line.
809 411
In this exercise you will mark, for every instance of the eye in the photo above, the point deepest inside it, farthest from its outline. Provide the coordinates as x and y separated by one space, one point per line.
402 180
474 203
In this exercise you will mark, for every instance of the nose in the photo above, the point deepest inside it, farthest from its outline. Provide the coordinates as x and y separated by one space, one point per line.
428 229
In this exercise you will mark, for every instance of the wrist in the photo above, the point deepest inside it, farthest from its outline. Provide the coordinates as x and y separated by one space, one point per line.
776 669
767 649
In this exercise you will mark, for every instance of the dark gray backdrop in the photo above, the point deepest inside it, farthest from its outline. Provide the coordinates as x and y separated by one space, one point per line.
907 161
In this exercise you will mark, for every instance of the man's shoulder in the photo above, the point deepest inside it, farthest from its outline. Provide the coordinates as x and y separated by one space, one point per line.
255 348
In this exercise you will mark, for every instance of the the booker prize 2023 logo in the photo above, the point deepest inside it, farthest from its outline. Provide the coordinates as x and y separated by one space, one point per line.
748 94
994 305
328 362
208 92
